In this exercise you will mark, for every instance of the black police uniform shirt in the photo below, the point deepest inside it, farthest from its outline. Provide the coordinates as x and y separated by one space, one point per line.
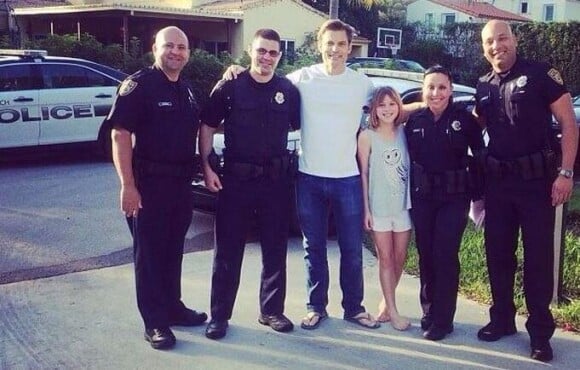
161 113
442 145
516 106
256 116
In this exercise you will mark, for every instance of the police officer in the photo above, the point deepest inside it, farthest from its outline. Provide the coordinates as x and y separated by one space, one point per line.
516 101
258 109
441 187
157 107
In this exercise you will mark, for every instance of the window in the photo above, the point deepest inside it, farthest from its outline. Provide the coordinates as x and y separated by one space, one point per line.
524 7
548 13
18 77
62 76
429 20
447 18
287 48
214 47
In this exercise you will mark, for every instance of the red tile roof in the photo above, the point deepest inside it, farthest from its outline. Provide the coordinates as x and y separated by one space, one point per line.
480 9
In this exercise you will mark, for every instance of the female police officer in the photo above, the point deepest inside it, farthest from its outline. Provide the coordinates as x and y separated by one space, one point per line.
439 137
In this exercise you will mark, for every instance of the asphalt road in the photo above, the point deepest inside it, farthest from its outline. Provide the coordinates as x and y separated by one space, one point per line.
60 214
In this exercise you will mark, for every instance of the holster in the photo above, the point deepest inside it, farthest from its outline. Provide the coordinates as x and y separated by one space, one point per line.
279 167
215 162
420 182
542 164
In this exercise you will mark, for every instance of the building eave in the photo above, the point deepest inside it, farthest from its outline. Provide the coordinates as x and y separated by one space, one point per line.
71 9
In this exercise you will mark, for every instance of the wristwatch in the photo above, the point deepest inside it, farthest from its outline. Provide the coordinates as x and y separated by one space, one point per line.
566 173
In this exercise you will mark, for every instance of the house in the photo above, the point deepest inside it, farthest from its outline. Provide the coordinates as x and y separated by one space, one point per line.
440 12
543 10
212 25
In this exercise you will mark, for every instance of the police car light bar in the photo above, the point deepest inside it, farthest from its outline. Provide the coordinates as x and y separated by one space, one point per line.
24 53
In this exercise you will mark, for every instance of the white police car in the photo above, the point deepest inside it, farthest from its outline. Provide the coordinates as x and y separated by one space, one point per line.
48 100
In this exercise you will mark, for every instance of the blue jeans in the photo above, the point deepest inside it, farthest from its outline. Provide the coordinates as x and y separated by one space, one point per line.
315 196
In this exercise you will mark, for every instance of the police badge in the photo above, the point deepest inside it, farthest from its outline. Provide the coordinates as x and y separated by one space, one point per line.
279 97
456 125
522 81
127 87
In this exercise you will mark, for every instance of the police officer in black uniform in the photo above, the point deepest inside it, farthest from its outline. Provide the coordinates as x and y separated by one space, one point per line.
258 109
516 102
157 107
441 187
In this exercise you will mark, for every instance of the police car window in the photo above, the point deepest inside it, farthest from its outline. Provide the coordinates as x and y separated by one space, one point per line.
63 76
18 77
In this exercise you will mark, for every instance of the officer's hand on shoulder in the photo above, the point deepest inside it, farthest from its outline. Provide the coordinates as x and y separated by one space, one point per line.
232 72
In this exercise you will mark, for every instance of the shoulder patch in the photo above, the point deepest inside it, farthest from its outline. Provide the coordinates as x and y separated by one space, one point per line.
127 87
555 75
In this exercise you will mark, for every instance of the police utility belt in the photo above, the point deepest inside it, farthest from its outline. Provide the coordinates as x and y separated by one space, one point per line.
537 165
278 167
447 182
144 167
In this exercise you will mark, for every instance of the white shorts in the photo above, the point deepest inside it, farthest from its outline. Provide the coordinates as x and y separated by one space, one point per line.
397 223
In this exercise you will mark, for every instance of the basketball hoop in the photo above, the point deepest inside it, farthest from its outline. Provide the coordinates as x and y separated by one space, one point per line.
392 47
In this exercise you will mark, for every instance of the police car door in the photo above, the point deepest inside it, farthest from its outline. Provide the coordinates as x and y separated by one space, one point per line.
76 101
19 107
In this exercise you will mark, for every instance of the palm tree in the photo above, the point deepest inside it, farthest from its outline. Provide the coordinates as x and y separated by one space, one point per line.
334 5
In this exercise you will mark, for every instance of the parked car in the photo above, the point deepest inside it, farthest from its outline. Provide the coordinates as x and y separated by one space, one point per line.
47 100
406 83
385 63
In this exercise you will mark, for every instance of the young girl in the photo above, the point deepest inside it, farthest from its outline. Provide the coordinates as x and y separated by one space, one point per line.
384 163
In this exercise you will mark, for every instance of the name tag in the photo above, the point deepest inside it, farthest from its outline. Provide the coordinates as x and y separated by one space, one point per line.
162 104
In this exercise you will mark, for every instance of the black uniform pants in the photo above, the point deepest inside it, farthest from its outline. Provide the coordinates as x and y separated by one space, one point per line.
158 237
509 205
439 226
240 202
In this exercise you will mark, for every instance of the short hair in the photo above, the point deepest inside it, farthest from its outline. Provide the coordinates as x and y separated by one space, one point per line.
267 34
437 68
335 25
378 98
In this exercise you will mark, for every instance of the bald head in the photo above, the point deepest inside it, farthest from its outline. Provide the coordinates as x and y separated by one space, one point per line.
171 51
499 45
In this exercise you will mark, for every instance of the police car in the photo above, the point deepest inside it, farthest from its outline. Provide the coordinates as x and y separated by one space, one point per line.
47 100
408 84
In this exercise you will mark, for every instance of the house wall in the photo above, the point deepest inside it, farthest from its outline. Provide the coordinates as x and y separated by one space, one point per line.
564 10
417 11
292 21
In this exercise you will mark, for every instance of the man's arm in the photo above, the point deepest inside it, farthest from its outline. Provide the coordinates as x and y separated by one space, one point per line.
564 113
212 180
410 108
123 158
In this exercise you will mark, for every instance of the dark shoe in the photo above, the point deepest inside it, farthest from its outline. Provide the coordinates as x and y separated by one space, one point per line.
188 317
426 322
216 329
492 332
160 338
436 332
277 322
542 351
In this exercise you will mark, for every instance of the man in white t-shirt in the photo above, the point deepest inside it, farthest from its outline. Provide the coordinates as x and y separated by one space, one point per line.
333 97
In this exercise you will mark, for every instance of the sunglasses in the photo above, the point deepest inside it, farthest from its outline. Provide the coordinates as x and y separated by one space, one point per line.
271 53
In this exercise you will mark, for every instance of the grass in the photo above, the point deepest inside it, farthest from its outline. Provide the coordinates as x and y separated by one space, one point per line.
474 282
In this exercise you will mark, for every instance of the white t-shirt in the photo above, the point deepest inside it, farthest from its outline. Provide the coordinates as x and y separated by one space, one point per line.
331 115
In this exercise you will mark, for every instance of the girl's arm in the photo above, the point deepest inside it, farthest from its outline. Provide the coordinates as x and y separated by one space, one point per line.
363 153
